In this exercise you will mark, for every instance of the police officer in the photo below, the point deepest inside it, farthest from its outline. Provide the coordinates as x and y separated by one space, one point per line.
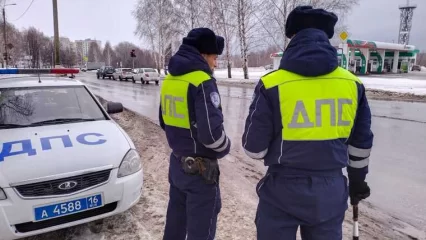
308 120
191 115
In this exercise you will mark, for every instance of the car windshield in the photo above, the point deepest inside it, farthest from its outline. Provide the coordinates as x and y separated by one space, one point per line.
48 105
150 70
127 70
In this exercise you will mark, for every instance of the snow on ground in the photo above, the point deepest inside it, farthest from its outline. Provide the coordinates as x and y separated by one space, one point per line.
238 180
423 68
237 73
400 85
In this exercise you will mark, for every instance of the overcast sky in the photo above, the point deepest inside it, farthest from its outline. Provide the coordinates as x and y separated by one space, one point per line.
112 19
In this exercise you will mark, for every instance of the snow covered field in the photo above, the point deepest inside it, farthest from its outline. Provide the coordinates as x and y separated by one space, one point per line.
402 85
393 84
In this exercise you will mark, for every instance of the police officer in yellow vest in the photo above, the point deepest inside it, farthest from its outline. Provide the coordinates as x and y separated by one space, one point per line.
191 115
308 120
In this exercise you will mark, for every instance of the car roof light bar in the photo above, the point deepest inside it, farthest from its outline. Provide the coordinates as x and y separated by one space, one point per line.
39 71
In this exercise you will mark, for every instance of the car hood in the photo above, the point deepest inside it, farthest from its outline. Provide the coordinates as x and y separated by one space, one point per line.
38 152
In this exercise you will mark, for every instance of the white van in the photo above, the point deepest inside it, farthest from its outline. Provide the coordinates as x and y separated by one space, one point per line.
63 160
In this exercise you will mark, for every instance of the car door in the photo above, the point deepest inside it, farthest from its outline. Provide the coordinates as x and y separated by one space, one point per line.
117 73
139 74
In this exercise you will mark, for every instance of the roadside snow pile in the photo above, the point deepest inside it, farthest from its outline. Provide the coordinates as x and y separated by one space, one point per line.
401 85
238 74
423 68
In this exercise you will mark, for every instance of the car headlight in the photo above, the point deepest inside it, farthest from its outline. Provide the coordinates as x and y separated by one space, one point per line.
2 194
131 163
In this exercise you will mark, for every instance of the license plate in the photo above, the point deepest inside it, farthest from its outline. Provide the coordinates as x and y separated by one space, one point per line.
67 208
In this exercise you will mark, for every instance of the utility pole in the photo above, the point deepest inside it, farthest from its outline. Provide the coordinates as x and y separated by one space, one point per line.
6 56
56 31
4 36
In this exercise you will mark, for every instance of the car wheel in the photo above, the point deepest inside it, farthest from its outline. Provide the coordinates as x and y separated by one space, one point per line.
113 78
133 80
119 78
109 77
156 82
103 77
97 76
142 81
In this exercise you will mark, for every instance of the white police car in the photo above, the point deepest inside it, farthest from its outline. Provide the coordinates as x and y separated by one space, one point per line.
63 160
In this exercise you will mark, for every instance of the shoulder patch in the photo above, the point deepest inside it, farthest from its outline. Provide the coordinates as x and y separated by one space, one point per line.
215 98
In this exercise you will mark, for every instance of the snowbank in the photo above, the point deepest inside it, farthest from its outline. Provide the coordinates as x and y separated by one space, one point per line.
237 73
401 85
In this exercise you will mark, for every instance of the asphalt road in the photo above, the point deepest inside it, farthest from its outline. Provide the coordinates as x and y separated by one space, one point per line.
397 168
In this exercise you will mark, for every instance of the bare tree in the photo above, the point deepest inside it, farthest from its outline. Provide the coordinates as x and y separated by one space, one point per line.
95 54
275 13
108 53
68 56
155 24
188 14
249 38
225 22
122 54
34 42
47 52
16 44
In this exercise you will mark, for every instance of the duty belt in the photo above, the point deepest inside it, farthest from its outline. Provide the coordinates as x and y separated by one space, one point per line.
207 168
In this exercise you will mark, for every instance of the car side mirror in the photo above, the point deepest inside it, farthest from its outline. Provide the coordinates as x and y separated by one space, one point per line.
114 107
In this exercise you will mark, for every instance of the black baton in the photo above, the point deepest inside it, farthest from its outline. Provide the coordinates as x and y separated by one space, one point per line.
355 219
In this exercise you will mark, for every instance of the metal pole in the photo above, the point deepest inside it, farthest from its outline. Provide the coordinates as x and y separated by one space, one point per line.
4 36
355 222
56 31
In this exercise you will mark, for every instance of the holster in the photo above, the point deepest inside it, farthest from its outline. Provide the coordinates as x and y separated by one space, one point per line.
207 168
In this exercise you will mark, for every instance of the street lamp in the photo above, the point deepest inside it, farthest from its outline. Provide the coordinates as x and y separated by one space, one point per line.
4 31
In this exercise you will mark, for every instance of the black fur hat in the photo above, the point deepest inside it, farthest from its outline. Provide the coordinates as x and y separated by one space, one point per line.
303 17
205 41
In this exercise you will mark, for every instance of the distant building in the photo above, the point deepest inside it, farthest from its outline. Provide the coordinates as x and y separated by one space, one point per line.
64 42
83 46
365 57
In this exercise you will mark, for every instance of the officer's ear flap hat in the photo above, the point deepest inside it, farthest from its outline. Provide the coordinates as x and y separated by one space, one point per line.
303 17
205 41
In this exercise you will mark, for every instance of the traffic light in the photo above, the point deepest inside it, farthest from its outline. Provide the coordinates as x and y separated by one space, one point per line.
132 53
6 56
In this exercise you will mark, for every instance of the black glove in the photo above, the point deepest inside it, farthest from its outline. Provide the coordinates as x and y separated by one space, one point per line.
358 191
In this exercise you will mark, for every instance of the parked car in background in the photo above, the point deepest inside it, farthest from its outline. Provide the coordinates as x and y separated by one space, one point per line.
123 74
416 68
105 71
147 75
